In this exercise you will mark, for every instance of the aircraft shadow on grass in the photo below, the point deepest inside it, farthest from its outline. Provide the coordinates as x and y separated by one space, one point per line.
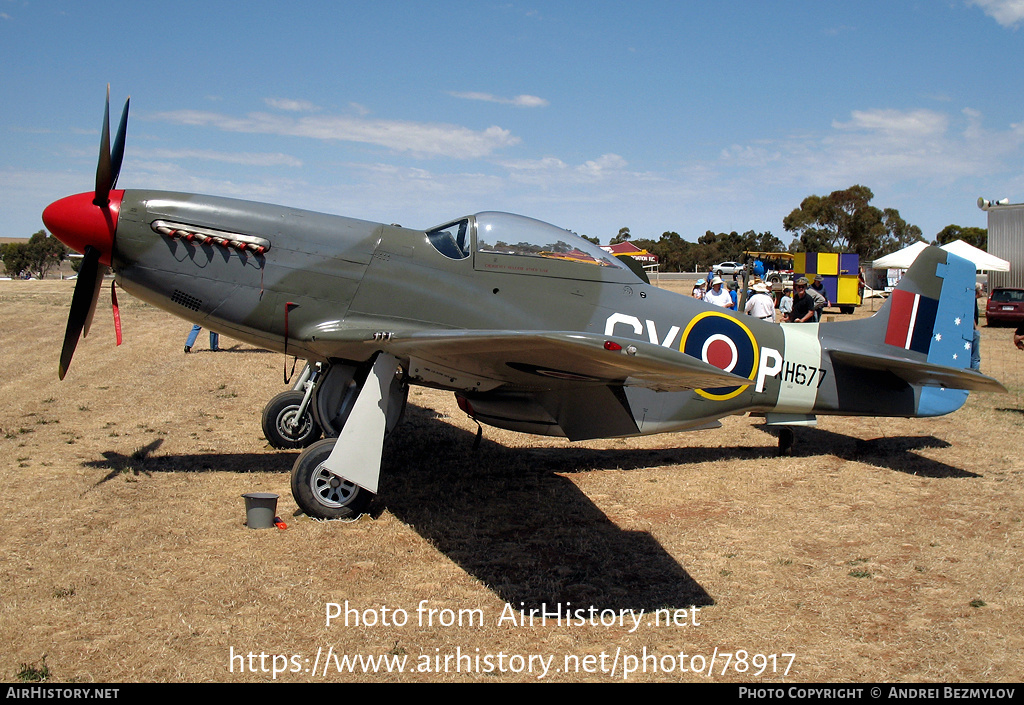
529 535
894 452
507 518
143 462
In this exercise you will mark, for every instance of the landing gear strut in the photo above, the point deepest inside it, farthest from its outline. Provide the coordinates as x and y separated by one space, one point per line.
337 477
285 425
288 419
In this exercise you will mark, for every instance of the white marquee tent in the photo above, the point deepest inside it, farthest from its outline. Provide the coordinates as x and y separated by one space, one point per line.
902 259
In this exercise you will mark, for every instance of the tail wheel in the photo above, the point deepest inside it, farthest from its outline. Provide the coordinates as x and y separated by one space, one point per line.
786 440
320 493
283 427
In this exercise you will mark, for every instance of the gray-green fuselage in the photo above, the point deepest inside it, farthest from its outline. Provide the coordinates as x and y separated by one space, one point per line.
326 287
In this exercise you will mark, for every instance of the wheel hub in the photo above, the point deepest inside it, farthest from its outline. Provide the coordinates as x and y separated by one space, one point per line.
293 426
331 490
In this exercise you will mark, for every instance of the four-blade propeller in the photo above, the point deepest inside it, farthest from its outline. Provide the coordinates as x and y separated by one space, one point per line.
89 228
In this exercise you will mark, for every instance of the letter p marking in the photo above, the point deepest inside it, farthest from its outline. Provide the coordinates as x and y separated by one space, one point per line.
769 366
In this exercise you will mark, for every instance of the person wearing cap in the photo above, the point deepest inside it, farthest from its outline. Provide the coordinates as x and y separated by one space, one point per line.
817 291
717 296
803 303
760 305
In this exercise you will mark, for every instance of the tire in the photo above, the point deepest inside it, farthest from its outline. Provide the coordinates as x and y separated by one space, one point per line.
320 494
276 417
847 310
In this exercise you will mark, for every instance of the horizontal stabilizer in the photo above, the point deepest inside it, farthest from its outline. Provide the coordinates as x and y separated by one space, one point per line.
922 373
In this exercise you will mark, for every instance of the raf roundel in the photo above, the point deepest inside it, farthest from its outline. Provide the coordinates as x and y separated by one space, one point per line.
724 342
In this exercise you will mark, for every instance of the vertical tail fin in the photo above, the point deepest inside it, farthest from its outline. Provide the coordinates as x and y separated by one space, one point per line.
923 335
931 312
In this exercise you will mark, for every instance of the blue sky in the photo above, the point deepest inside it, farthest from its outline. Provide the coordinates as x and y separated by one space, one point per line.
684 116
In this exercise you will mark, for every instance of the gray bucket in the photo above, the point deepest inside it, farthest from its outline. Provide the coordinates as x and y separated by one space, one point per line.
260 509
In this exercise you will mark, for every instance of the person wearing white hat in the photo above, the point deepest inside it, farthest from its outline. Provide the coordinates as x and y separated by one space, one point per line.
760 305
717 295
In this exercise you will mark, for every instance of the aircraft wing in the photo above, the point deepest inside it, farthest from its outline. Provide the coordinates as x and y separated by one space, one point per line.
537 360
921 373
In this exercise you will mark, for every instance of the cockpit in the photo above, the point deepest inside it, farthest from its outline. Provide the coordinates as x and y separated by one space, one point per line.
497 233
452 240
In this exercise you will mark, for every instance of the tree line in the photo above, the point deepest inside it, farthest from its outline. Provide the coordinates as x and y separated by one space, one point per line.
41 254
842 221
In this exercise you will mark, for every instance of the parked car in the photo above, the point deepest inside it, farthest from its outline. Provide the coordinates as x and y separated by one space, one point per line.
727 268
1005 305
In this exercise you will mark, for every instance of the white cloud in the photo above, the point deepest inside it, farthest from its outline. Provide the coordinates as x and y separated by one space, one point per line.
750 155
522 101
543 164
417 138
893 122
243 158
295 106
172 176
1008 13
603 165
879 146
551 172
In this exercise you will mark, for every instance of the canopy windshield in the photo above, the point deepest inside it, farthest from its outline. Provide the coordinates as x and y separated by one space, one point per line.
508 234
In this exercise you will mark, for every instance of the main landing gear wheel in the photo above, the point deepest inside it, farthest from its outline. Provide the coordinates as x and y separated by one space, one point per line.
321 494
281 425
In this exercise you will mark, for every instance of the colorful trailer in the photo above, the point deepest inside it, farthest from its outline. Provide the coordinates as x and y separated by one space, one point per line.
840 273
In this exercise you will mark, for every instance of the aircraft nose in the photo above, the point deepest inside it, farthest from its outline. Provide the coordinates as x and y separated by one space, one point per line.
78 222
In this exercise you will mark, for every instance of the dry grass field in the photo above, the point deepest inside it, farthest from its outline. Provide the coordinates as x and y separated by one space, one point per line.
882 550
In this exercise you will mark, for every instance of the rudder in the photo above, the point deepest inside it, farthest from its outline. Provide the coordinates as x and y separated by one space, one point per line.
930 312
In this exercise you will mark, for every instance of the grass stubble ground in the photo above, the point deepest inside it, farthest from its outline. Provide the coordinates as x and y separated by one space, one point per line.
882 550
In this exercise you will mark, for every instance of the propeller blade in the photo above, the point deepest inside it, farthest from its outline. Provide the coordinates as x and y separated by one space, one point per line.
101 272
117 154
103 173
81 302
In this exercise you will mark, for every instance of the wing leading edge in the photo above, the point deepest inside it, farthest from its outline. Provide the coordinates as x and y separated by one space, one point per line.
543 360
